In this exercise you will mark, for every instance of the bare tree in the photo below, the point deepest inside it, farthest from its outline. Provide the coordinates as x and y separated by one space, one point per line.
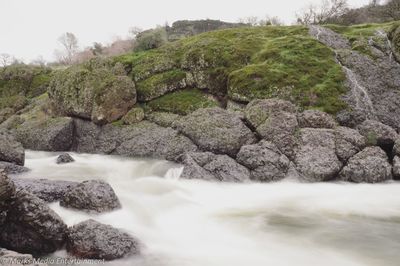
251 20
134 31
6 59
69 43
323 13
39 61
392 9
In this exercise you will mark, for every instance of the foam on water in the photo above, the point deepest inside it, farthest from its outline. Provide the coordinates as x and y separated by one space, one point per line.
196 223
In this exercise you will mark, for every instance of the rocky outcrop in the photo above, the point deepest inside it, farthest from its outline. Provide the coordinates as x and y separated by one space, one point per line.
377 133
10 150
216 130
212 167
64 158
8 257
46 190
10 168
93 240
265 161
93 195
95 90
31 226
316 157
348 142
371 165
396 168
316 119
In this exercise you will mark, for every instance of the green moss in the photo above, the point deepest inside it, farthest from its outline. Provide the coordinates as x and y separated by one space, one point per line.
182 102
15 102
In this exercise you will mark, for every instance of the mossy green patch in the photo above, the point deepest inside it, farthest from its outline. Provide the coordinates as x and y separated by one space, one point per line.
182 102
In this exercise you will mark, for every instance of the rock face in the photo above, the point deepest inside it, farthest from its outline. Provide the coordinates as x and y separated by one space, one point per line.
93 240
53 134
94 90
93 195
208 166
371 165
7 188
47 190
316 157
377 133
10 150
316 119
348 142
64 158
10 168
396 148
143 139
31 226
216 130
8 257
396 167
265 161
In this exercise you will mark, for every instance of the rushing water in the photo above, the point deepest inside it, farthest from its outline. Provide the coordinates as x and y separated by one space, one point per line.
195 223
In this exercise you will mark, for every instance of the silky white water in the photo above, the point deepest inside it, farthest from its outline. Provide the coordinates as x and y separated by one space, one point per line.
195 223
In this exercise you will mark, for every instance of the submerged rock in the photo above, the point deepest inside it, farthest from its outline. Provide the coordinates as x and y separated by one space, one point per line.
371 165
31 226
10 150
93 240
64 158
216 130
93 195
265 161
212 167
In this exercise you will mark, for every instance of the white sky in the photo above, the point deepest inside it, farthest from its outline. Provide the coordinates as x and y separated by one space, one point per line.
29 28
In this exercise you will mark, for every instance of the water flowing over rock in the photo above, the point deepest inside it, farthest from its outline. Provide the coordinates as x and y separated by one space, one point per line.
265 161
216 130
371 165
93 240
316 119
31 226
10 150
374 82
212 167
93 195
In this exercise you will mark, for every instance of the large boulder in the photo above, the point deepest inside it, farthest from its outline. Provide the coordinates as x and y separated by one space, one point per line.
93 240
378 133
216 130
316 119
162 118
212 167
94 90
265 161
396 148
7 188
316 157
93 195
8 257
371 165
348 142
11 150
143 139
31 226
396 167
47 190
10 168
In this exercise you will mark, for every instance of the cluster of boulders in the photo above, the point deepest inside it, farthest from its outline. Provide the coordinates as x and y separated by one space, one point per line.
29 226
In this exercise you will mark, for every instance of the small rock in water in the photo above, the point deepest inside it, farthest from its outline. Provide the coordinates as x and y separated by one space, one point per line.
93 195
65 158
93 240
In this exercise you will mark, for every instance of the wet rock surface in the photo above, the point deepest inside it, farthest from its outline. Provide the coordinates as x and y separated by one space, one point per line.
64 158
396 168
10 168
8 257
94 195
93 240
10 150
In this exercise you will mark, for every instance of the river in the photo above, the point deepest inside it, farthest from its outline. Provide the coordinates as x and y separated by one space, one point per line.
196 223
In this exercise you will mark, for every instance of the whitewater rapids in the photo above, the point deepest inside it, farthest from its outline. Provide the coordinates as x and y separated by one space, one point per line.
196 223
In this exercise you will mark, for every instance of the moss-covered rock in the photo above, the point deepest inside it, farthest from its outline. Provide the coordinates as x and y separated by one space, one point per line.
135 115
182 102
94 90
394 36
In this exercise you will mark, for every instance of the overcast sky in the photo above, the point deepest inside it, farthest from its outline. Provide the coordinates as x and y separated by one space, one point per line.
29 28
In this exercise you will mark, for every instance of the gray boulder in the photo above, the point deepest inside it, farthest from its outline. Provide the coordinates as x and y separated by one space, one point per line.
93 240
64 158
377 133
162 119
7 188
348 142
8 257
371 165
265 161
10 168
212 167
31 226
316 158
396 167
216 130
47 190
93 195
10 150
396 148
316 119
